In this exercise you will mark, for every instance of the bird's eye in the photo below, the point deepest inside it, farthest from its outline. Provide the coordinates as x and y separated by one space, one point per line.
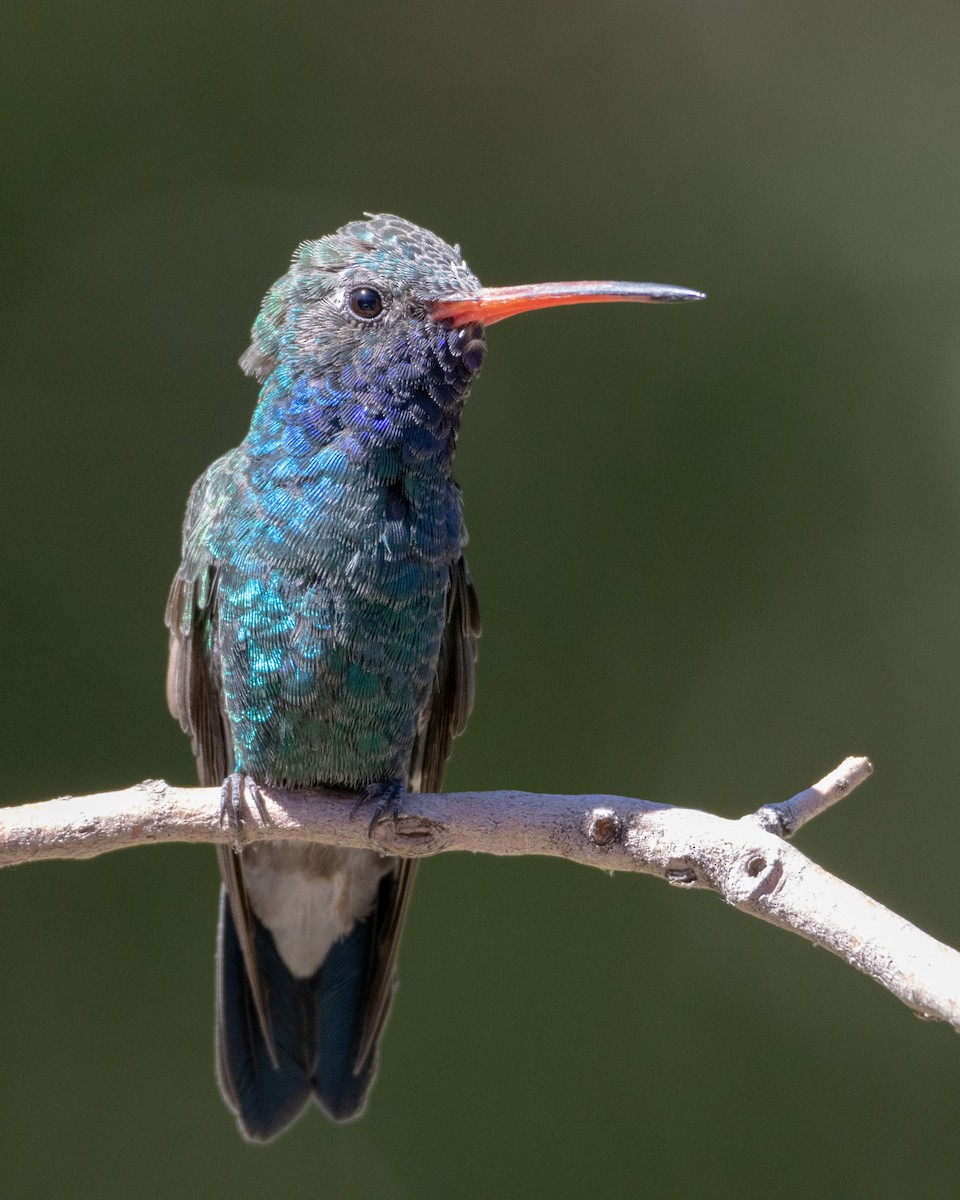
366 302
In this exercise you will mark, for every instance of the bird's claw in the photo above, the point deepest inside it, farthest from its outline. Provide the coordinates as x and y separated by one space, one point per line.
387 799
237 788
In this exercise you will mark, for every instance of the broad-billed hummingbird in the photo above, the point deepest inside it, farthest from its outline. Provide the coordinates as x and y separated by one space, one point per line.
323 630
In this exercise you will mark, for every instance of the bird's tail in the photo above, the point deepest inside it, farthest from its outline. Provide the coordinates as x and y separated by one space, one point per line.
324 1046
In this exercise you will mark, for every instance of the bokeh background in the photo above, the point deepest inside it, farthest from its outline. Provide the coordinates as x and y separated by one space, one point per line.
716 549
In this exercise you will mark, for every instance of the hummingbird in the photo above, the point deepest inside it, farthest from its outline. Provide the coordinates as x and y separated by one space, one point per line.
323 633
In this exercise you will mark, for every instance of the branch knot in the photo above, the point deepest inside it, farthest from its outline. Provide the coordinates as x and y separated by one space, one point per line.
602 826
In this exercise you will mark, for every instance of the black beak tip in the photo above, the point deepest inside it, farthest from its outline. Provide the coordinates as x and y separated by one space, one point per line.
683 295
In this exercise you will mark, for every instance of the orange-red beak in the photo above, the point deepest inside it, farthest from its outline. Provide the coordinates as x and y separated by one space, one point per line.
493 304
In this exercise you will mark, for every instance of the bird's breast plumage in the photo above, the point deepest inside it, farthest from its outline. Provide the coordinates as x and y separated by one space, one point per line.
333 535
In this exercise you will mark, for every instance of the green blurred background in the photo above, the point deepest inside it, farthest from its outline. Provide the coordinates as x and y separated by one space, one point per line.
716 549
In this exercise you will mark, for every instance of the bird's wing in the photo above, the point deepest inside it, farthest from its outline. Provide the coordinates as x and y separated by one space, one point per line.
192 691
194 698
444 718
451 702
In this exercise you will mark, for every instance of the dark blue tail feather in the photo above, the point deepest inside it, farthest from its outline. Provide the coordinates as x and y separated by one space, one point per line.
266 1098
341 995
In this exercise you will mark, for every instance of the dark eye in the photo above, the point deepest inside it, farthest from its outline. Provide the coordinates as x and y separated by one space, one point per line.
366 302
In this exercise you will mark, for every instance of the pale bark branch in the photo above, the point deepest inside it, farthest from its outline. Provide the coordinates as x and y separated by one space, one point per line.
747 861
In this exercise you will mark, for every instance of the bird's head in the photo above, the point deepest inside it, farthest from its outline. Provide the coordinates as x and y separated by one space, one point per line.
362 294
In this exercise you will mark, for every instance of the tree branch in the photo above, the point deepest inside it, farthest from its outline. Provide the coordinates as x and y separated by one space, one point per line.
747 861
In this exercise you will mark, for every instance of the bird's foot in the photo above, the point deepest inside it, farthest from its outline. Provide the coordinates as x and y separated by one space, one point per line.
237 787
387 798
